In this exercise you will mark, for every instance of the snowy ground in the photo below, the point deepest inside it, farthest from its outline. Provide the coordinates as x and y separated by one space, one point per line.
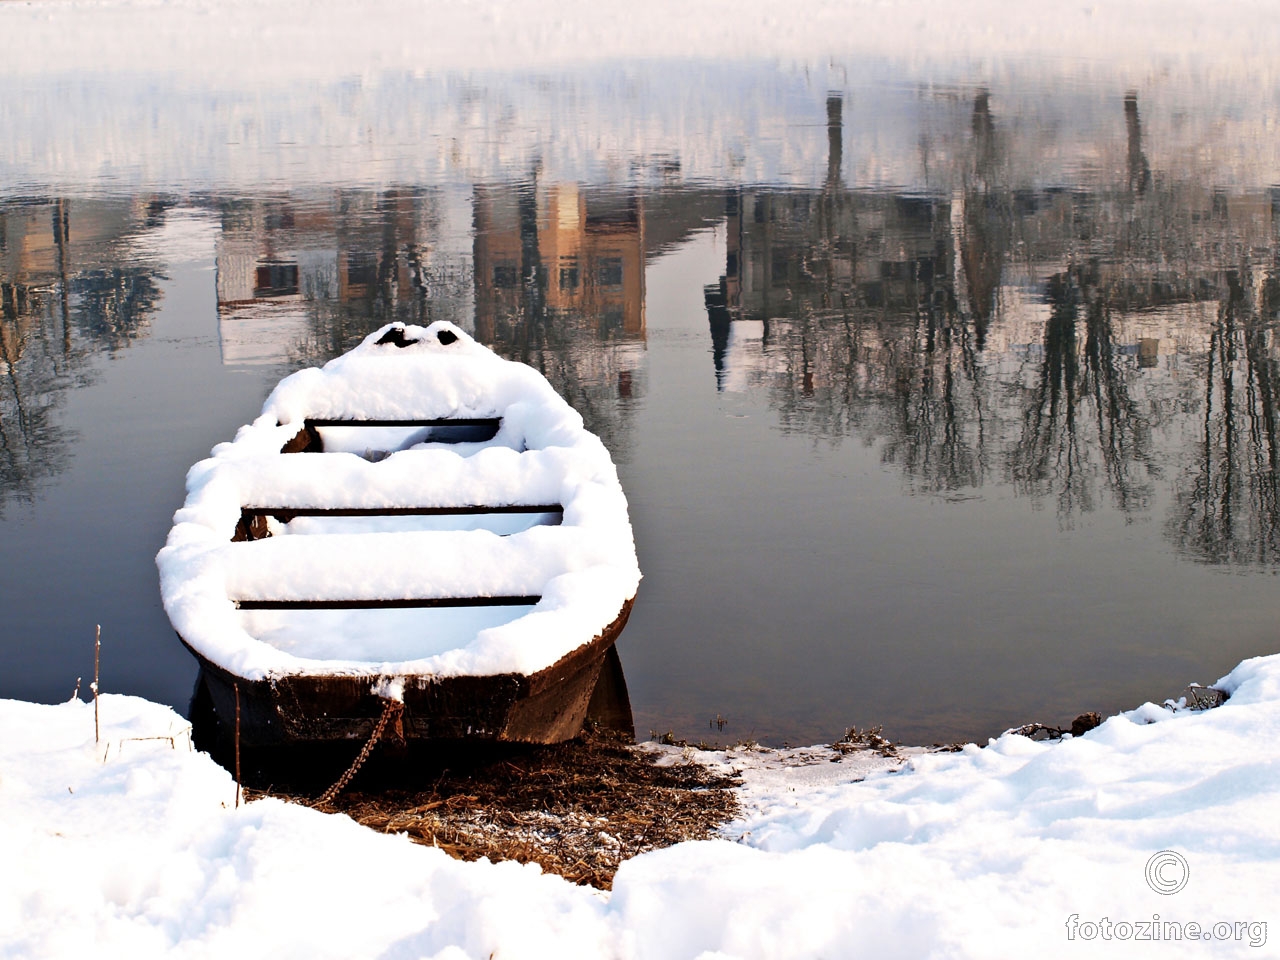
134 847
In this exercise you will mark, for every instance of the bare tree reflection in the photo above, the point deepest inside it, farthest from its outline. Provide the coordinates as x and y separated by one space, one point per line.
985 218
1035 337
113 304
1227 504
940 440
1139 169
63 297
34 446
1082 389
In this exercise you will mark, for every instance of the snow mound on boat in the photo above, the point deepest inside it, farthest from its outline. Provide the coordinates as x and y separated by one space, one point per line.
584 570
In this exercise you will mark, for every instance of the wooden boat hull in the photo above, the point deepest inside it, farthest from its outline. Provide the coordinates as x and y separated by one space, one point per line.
363 438
549 706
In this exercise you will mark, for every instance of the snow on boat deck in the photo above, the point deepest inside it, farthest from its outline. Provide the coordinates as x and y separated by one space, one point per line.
502 524
374 635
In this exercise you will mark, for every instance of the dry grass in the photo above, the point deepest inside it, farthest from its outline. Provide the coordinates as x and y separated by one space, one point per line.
873 739
578 809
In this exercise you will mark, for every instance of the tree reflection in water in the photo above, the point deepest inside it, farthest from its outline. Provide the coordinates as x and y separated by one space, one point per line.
64 296
988 330
1226 504
36 373
994 332
1079 383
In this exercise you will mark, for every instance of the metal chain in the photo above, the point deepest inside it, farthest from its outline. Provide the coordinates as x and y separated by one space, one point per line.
392 708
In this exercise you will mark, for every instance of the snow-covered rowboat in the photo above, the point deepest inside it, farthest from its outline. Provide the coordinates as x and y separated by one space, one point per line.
420 522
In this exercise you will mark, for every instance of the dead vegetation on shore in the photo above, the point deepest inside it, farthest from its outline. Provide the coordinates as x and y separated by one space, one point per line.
578 809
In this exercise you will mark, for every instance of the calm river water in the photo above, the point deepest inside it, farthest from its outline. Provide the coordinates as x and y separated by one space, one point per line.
940 404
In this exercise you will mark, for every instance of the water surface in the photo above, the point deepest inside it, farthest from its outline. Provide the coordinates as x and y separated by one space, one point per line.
943 404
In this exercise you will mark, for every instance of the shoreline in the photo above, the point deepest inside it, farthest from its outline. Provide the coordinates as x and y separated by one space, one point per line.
136 843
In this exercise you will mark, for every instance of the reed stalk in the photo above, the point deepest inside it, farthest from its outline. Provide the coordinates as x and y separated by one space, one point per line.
97 660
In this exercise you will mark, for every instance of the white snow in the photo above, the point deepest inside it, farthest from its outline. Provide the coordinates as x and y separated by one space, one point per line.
135 847
584 569
146 855
374 636
503 524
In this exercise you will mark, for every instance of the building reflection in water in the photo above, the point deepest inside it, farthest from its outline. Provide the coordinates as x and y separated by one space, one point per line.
559 274
68 290
552 275
1107 344
302 278
1080 346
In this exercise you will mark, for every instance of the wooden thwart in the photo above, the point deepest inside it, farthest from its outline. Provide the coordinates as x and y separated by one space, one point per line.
285 514
399 603
452 430
253 520
487 423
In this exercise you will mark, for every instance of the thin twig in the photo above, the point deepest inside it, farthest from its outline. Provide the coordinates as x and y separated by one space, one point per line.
97 658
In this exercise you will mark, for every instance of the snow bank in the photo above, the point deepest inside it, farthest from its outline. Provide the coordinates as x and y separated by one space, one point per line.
1021 847
145 855
583 569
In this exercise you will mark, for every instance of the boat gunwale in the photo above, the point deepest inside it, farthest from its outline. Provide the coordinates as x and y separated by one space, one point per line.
546 706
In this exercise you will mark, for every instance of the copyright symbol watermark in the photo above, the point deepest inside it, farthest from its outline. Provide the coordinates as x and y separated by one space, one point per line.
1167 872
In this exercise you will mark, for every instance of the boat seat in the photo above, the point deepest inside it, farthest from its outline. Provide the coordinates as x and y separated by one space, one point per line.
503 520
310 439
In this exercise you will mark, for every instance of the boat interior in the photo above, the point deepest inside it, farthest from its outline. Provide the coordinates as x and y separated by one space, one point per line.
382 629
